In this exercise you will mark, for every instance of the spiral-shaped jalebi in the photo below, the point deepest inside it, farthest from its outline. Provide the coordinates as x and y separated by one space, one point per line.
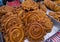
31 17
5 20
16 34
35 31
37 25
14 21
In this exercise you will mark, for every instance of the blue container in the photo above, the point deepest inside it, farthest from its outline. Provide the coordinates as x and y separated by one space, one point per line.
1 2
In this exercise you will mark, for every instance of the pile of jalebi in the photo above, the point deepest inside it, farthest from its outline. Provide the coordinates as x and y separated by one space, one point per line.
31 5
28 21
12 27
37 24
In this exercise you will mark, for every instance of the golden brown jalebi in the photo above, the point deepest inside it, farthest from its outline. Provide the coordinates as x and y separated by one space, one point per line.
6 17
30 17
35 31
55 15
16 34
13 23
37 15
52 5
36 19
29 4
48 25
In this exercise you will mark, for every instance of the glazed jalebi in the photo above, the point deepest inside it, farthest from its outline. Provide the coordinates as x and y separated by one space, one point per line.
35 32
31 17
36 19
52 5
16 34
30 22
11 23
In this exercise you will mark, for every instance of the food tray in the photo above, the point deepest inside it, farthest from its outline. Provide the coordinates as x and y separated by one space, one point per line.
54 30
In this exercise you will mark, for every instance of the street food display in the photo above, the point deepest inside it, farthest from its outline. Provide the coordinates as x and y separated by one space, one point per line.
26 22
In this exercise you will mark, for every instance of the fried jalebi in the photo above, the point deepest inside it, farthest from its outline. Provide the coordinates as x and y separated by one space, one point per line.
52 5
35 31
37 15
16 34
48 25
36 19
29 21
6 17
14 21
29 4
55 15
30 17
